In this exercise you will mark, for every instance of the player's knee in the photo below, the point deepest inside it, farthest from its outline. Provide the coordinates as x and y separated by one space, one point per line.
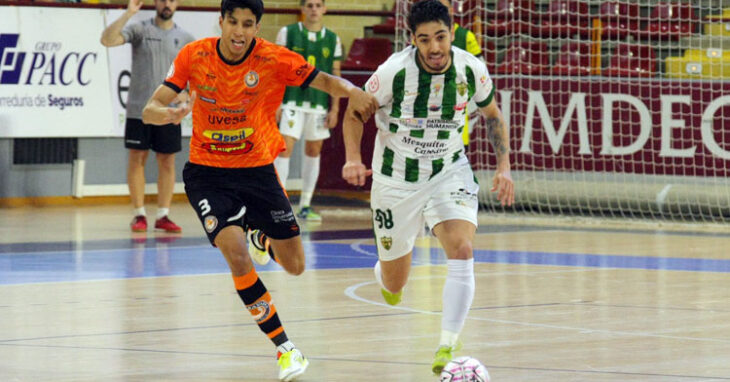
296 267
463 250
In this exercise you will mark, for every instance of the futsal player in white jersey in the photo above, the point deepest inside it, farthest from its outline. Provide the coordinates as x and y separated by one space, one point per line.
420 173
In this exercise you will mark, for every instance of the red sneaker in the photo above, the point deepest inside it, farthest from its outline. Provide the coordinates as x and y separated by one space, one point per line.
167 225
139 224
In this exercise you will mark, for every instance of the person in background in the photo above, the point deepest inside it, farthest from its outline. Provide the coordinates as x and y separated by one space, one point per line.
155 43
465 39
308 112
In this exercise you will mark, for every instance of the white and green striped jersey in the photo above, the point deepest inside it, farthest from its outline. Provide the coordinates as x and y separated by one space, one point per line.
422 115
321 49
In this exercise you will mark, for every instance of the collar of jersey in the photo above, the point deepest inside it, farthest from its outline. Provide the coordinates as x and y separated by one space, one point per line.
220 55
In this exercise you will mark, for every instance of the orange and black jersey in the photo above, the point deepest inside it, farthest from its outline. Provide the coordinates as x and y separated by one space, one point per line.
234 117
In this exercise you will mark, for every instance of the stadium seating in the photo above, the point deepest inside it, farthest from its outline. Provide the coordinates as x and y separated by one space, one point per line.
367 54
629 60
388 26
466 11
489 52
670 21
574 59
564 18
619 19
700 64
510 17
718 25
525 57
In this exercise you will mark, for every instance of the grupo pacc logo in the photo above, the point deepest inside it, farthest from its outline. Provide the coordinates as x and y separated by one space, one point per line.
47 64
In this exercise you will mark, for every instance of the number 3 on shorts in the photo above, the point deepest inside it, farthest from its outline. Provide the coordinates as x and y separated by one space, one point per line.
204 207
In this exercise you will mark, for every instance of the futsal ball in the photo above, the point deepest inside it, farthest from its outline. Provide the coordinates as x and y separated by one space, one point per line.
464 369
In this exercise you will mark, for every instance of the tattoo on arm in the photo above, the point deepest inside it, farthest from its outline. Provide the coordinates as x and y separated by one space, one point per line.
495 133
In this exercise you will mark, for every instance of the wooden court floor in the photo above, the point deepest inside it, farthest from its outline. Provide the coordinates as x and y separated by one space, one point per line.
82 299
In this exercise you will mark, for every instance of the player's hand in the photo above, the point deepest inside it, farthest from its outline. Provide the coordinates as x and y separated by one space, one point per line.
176 114
134 6
503 185
331 120
363 104
355 173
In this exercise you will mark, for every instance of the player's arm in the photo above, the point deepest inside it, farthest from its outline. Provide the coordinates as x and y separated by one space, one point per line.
498 135
156 111
112 35
354 171
334 112
363 104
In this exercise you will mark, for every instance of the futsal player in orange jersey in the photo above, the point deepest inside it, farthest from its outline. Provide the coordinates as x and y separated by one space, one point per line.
237 83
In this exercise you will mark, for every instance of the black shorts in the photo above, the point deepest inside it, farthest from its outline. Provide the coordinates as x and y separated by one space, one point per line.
251 198
164 139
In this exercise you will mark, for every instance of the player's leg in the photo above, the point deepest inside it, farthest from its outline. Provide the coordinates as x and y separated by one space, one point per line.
271 219
222 215
452 214
397 220
290 127
136 140
166 141
310 174
456 237
282 161
315 132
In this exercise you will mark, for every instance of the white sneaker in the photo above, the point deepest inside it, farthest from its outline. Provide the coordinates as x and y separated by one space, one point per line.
292 364
258 250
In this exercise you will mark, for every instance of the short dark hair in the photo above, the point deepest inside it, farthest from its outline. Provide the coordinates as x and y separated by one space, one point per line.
302 2
256 7
426 11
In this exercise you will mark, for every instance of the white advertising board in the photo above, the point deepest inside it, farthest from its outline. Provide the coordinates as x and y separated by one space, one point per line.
54 75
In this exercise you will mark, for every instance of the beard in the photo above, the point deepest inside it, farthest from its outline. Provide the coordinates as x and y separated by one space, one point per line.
165 14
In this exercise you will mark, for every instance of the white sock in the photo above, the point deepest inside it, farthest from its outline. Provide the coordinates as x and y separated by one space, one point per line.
457 299
285 347
310 173
140 211
162 212
282 168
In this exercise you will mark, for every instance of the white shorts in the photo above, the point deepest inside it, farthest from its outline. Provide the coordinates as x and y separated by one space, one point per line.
296 123
399 215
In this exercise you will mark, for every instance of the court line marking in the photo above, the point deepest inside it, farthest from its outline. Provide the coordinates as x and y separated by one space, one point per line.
351 293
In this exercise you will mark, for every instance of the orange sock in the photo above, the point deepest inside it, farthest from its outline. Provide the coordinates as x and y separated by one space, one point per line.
257 299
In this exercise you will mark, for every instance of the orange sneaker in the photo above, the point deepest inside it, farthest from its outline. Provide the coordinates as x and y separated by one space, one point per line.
139 224
164 223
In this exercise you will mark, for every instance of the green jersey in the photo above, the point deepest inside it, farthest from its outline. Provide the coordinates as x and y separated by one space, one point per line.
321 49
422 115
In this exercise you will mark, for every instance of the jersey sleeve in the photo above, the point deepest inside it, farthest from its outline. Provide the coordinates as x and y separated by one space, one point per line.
132 33
472 45
294 68
380 84
179 73
484 92
338 50
281 37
